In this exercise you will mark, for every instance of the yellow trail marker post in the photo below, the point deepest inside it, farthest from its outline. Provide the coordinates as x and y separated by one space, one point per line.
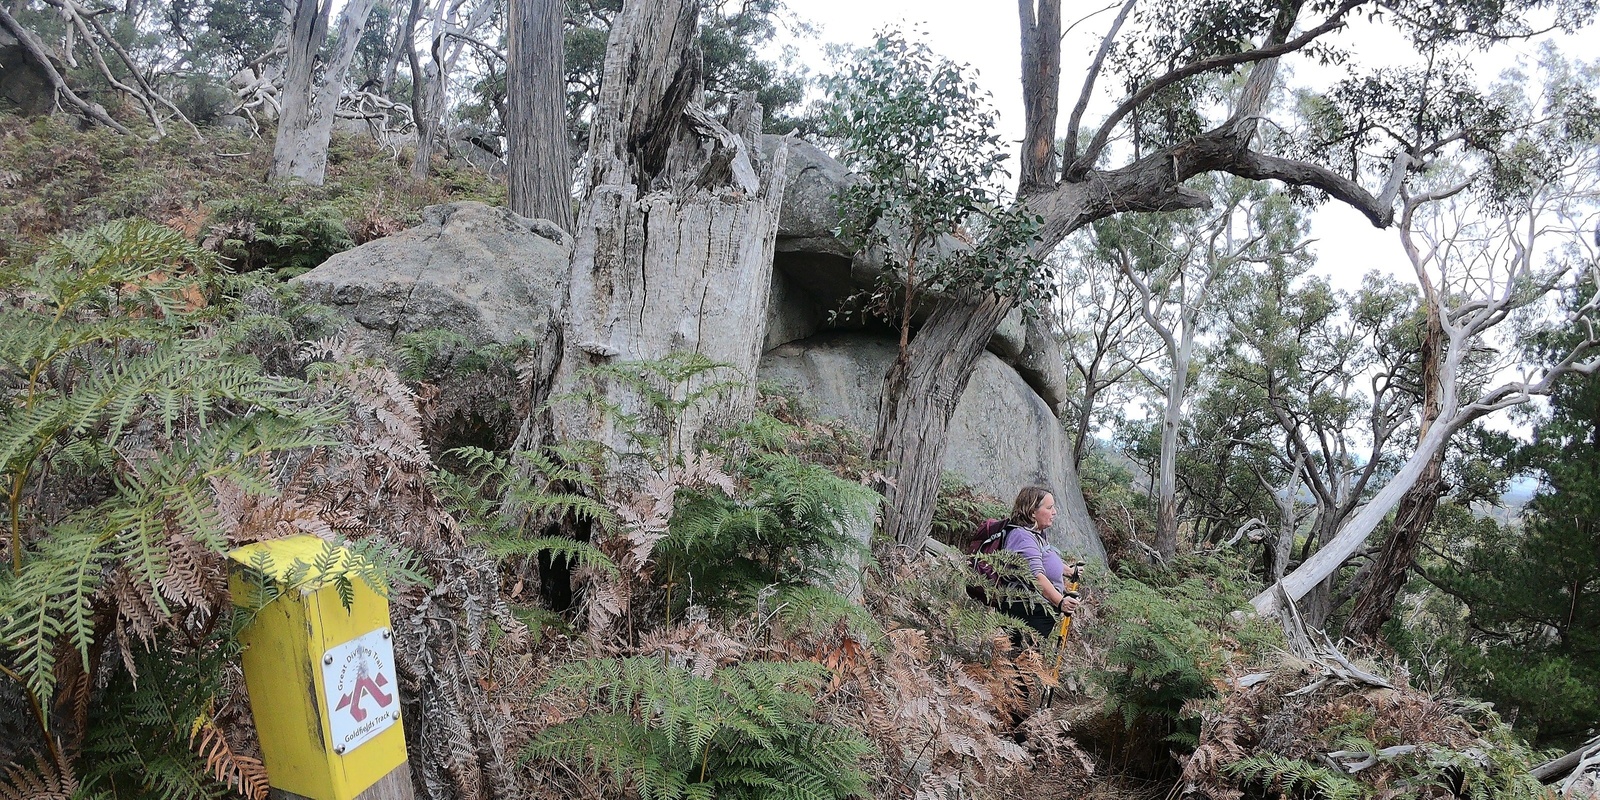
323 688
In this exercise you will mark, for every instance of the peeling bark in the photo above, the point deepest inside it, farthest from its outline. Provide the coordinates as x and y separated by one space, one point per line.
673 246
305 125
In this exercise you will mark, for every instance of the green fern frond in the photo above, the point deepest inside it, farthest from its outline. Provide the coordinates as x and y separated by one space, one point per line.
571 551
52 599
816 610
1293 776
743 732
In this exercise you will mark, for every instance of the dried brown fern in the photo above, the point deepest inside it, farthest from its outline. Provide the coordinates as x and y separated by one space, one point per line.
246 774
695 646
46 781
196 575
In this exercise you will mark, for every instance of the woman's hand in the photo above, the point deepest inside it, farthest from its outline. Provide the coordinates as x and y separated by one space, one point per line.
1063 602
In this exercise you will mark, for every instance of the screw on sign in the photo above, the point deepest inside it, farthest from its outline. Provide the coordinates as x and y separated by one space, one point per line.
357 680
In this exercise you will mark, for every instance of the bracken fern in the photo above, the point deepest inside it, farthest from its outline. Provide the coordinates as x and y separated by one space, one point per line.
743 732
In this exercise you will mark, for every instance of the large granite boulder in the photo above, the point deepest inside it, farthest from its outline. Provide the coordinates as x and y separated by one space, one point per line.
814 271
477 270
1003 436
24 86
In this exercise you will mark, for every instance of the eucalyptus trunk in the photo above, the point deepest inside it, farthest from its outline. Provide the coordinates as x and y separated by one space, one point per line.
1167 466
920 395
310 97
536 115
1376 598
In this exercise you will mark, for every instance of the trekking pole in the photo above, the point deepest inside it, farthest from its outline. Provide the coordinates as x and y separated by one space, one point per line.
1066 620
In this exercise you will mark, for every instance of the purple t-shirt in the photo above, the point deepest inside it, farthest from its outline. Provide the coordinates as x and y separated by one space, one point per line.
1025 543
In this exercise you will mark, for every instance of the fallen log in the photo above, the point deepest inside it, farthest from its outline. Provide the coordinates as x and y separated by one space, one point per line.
1553 770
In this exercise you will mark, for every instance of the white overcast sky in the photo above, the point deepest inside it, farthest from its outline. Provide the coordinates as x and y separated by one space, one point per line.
984 34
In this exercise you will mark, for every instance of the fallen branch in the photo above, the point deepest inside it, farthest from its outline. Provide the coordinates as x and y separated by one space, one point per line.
41 59
1320 651
1352 761
1555 769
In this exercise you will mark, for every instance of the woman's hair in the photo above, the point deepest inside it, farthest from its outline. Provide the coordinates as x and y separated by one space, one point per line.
1028 501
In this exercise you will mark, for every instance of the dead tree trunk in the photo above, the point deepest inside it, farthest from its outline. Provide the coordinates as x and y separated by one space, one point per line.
1375 602
536 116
41 58
673 247
306 123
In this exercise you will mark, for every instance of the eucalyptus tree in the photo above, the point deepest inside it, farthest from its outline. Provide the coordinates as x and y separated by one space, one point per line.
1236 477
1320 376
310 94
101 45
1096 318
1189 84
1514 226
453 26
914 127
1498 252
1180 267
539 177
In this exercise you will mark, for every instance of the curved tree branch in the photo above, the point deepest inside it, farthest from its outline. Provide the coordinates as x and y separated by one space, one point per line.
41 59
1334 21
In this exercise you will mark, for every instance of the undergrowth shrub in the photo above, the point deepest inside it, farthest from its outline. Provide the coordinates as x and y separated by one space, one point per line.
263 231
140 440
503 502
743 731
1173 635
787 523
1123 513
1294 733
55 178
474 395
710 590
959 509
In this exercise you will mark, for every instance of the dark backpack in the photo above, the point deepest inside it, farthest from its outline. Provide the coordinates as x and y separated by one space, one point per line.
988 539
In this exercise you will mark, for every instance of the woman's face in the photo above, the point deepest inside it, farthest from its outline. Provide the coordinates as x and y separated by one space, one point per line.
1045 513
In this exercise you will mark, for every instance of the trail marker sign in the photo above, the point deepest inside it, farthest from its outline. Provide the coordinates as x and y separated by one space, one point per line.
358 677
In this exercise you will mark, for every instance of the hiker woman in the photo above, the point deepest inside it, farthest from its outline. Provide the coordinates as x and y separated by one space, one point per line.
1031 514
